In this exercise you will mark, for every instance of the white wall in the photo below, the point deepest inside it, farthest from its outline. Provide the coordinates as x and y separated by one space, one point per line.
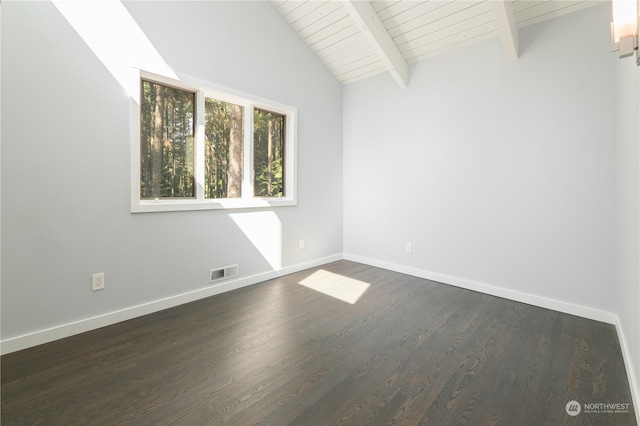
628 219
65 165
501 174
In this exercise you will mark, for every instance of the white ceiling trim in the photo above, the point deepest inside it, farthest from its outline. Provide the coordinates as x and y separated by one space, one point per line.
374 31
507 27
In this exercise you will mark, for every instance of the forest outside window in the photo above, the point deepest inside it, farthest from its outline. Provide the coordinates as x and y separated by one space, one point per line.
268 150
197 148
166 142
223 135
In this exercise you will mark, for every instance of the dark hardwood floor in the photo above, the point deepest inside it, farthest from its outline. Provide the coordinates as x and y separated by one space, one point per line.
409 351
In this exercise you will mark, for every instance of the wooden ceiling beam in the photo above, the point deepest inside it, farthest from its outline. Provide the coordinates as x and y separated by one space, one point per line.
507 27
374 31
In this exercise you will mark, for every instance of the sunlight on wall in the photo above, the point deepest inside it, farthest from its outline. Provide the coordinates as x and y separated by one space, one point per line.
116 39
335 285
264 230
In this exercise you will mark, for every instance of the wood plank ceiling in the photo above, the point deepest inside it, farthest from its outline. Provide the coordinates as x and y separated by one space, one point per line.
357 39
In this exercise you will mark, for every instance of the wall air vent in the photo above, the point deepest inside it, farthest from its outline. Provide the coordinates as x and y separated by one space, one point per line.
223 273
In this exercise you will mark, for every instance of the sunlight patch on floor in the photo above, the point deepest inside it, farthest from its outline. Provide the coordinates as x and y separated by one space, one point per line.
335 285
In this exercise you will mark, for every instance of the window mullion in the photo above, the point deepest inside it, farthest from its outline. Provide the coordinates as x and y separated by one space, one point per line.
248 172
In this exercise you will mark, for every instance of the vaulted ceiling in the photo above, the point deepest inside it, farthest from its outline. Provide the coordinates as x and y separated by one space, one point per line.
359 38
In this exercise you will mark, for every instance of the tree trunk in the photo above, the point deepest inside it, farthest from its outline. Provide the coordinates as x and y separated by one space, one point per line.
234 182
156 144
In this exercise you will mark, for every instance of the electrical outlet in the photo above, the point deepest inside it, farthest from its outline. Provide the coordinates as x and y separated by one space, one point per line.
97 281
408 248
301 244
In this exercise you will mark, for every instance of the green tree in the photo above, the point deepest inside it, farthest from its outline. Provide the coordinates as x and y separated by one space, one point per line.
223 149
268 155
167 142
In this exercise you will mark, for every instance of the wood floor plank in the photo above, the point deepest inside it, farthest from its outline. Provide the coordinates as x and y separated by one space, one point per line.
408 352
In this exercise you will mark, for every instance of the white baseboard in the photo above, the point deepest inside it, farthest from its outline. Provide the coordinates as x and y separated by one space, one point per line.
65 330
530 299
634 385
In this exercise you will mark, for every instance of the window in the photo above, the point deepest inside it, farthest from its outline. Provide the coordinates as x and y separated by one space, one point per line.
198 148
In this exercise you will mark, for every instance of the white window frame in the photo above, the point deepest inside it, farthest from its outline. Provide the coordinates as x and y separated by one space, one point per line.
247 199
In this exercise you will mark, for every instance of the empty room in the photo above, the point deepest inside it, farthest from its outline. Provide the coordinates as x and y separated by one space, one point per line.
320 212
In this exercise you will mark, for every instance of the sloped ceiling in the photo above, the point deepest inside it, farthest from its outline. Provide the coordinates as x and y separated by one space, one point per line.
357 39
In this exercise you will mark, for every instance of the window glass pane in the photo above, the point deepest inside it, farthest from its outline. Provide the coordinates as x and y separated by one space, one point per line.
268 153
224 133
167 142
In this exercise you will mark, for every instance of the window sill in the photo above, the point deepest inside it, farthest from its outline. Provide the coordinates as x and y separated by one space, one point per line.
150 206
